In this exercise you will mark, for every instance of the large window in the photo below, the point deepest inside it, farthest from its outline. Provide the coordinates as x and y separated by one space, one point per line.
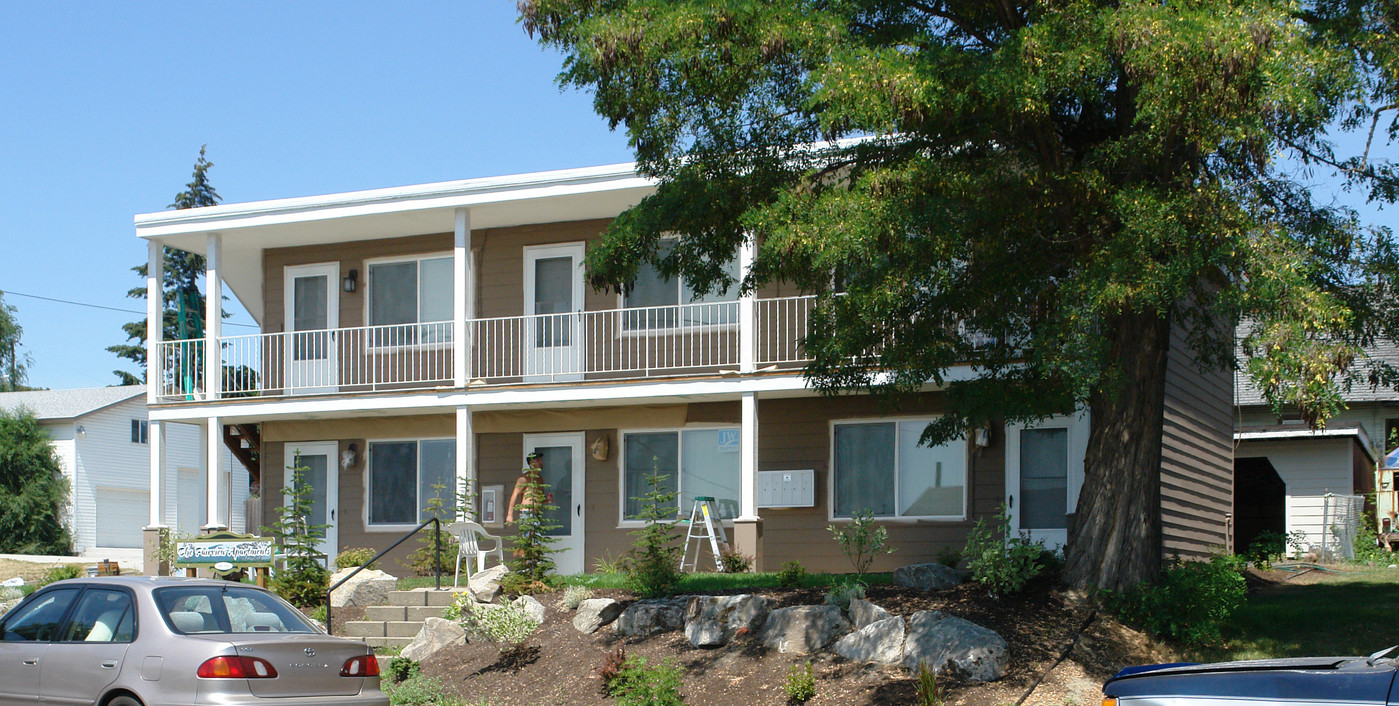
404 476
879 466
696 462
651 289
417 291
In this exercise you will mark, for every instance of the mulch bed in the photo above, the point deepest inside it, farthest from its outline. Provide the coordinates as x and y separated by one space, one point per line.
558 665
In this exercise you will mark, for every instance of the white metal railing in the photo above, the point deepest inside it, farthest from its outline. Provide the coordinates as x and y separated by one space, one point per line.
658 341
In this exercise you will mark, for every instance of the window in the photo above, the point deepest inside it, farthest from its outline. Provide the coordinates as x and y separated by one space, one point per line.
879 466
402 476
705 462
38 620
653 290
102 616
140 431
1044 478
225 610
417 291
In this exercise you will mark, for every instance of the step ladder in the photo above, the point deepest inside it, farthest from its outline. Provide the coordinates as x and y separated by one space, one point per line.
704 524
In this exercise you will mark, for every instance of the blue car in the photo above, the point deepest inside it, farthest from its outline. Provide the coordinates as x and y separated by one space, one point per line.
1302 681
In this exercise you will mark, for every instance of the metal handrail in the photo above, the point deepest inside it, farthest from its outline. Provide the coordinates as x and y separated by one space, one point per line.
437 565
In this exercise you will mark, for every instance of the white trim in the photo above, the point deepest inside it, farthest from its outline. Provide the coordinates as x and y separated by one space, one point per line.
331 270
1329 432
831 470
462 300
622 521
573 354
213 316
155 311
417 480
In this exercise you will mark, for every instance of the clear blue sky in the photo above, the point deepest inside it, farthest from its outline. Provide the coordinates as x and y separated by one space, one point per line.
105 106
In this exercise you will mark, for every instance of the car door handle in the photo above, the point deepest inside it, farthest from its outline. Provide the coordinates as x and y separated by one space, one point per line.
112 664
31 662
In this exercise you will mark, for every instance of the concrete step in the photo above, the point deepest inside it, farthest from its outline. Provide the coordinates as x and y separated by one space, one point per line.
424 597
389 612
377 642
402 628
366 628
422 613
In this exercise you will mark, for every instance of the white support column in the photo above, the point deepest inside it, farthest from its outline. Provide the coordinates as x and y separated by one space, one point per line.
213 438
466 451
213 318
748 463
156 436
747 310
155 319
462 300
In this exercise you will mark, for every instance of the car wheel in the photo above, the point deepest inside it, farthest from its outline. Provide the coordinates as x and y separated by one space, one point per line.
124 700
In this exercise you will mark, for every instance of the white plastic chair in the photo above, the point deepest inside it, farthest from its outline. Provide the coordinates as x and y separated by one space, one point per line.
469 536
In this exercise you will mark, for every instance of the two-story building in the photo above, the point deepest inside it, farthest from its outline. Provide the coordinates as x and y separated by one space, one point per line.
431 336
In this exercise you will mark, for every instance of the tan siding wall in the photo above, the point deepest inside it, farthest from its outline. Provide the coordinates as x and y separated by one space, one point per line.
1197 455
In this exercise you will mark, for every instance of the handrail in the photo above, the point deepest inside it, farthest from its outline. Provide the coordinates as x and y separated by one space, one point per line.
437 565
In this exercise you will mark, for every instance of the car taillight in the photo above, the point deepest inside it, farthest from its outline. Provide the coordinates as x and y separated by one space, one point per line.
231 667
361 666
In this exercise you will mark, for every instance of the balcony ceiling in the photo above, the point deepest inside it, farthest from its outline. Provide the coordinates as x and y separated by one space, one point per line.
250 228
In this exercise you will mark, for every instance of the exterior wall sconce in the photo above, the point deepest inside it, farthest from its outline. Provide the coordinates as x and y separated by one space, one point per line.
349 456
82 431
350 281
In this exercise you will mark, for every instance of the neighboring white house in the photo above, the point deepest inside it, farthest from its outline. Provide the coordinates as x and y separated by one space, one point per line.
101 436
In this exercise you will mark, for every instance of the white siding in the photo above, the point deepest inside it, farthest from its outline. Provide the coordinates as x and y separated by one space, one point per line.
1313 466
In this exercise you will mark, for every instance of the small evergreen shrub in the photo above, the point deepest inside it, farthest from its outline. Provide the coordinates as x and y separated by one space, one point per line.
862 540
303 579
801 684
734 562
792 575
401 669
641 684
532 557
426 560
843 592
653 563
417 690
355 558
612 665
505 624
573 596
1193 600
1000 560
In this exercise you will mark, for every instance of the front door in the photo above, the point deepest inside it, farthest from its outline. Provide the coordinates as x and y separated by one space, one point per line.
563 474
318 470
312 311
1044 472
553 303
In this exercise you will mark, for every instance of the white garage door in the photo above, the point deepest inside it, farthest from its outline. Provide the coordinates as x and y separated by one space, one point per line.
121 514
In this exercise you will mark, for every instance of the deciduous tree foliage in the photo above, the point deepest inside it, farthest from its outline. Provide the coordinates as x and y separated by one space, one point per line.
33 490
13 364
1070 181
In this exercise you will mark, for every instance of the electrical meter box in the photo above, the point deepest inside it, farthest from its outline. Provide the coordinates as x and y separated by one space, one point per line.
787 488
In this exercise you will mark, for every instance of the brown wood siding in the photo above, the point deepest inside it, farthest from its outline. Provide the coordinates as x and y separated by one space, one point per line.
1197 469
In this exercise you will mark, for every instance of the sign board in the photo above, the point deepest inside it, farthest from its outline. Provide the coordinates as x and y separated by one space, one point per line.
240 550
728 441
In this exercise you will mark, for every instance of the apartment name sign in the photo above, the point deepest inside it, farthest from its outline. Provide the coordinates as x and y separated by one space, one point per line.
238 549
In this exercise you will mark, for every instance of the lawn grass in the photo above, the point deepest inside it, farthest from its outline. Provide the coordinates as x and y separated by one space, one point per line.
1350 613
689 583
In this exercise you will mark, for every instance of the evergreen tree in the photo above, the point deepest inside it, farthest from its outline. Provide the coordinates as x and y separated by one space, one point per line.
33 489
533 541
304 578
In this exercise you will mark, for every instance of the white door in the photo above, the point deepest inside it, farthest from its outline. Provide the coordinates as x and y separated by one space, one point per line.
317 461
553 303
191 503
1044 473
312 315
563 474
121 513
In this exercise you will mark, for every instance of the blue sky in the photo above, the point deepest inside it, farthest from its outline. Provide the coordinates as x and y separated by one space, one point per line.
105 106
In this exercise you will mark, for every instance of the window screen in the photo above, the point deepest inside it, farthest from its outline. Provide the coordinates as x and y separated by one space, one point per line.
1044 478
864 469
393 476
880 467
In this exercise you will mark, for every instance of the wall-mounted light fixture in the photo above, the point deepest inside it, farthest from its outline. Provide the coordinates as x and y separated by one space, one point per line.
350 281
82 431
349 456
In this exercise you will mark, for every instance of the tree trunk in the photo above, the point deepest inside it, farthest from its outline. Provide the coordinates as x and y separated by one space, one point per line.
1116 543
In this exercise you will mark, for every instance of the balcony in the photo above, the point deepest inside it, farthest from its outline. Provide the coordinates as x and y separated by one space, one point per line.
612 345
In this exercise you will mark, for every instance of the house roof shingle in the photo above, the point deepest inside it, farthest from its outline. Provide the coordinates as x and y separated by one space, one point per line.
1247 394
50 405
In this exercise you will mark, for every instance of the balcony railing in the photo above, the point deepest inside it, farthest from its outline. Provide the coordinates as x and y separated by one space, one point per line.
617 344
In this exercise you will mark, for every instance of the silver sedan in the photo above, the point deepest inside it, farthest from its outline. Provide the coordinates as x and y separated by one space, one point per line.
151 641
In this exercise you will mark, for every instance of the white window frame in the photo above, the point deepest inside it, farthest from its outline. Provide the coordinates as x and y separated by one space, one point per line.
831 471
369 296
679 282
622 521
368 470
143 436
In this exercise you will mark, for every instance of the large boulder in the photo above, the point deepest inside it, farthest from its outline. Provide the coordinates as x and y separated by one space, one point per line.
948 644
927 577
533 608
863 613
368 587
711 621
595 613
436 634
485 585
650 617
803 629
881 642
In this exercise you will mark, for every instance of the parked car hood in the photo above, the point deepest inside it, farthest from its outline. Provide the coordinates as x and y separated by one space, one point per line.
1355 679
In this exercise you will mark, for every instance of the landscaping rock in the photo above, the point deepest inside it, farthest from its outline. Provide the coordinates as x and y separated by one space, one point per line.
951 644
927 577
436 634
485 585
595 613
881 642
649 617
863 613
711 621
533 608
803 629
368 587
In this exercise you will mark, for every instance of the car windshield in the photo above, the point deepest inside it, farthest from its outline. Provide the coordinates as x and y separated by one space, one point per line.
206 610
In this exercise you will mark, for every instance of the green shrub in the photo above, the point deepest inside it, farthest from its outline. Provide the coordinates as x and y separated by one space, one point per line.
841 593
1367 542
612 665
302 588
949 556
1190 604
417 690
573 596
1000 560
640 684
401 669
355 558
532 559
427 560
792 575
734 562
302 580
59 572
926 687
862 540
319 614
505 624
653 563
606 564
801 684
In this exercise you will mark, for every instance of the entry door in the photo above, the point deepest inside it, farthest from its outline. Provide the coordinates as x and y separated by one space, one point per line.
553 343
320 472
1044 472
312 315
563 474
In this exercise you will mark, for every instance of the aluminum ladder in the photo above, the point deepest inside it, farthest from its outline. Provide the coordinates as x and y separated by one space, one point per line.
704 524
